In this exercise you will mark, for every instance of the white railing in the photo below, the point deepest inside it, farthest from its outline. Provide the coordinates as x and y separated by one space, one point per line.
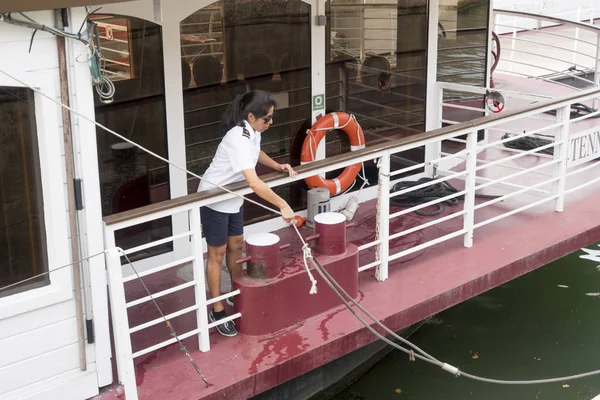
548 47
522 180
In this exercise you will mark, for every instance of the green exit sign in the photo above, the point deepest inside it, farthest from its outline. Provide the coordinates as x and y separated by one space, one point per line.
318 102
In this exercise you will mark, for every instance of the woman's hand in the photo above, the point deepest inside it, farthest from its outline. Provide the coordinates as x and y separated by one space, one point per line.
289 169
287 214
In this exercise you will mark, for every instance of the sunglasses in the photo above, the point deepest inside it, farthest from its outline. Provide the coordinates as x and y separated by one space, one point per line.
268 119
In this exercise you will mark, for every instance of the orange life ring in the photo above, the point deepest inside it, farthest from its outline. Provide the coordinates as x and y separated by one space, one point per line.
337 120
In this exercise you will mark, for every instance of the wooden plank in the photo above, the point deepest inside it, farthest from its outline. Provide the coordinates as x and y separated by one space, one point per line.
38 341
73 385
38 368
22 323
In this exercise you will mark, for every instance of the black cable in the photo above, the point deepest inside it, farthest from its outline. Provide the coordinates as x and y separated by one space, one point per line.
529 143
427 194
578 110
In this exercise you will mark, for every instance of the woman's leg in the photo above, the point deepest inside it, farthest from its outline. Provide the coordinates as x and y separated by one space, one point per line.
214 225
213 273
235 242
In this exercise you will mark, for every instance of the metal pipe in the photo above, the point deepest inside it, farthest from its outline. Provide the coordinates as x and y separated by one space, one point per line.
69 165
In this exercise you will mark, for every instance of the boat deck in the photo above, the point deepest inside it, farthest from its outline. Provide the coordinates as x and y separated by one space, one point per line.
440 277
419 286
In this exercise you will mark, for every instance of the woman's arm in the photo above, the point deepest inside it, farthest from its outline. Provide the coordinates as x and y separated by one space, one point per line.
264 192
267 161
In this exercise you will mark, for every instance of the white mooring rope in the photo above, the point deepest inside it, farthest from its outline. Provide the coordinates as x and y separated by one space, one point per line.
338 290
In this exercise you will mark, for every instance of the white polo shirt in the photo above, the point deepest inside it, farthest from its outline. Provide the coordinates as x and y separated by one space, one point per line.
238 151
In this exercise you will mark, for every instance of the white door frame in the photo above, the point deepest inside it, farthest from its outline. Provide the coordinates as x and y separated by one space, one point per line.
53 194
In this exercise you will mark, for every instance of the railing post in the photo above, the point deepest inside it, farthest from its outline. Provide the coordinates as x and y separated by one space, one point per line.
120 321
435 105
199 278
578 19
513 44
597 68
383 216
470 181
563 116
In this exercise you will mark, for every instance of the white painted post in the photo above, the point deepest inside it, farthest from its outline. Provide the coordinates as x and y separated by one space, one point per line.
470 181
318 61
434 97
384 217
174 112
576 35
597 68
91 229
433 151
120 321
563 116
199 278
513 44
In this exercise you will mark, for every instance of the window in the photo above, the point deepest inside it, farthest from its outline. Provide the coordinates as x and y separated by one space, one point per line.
462 42
22 234
130 178
230 47
113 34
377 70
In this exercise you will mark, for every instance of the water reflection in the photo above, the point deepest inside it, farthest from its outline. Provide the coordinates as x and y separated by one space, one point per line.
543 324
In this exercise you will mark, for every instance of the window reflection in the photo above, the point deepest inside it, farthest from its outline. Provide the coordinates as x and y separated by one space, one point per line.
231 47
130 178
462 49
462 42
22 234
377 70
113 34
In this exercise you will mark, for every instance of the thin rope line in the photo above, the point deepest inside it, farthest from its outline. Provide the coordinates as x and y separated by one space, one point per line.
167 322
137 145
3 288
307 255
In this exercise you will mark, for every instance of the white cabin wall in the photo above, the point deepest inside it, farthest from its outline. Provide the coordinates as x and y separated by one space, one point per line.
39 348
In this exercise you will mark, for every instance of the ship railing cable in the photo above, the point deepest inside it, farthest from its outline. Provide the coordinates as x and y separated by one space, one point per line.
162 314
426 194
332 283
528 143
578 110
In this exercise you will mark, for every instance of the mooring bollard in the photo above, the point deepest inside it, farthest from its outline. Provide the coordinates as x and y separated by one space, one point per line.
262 255
330 232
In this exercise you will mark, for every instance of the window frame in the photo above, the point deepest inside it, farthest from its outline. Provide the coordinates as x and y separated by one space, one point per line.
54 205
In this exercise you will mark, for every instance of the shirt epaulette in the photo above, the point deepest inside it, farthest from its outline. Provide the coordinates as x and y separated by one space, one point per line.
246 134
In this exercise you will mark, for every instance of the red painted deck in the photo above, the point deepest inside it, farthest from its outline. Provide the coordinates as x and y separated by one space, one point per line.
425 284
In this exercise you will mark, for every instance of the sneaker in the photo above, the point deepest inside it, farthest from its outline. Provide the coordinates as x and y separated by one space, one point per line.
226 328
229 301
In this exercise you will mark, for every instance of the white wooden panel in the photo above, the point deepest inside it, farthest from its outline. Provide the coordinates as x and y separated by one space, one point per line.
16 33
22 323
43 55
73 385
38 341
38 368
84 137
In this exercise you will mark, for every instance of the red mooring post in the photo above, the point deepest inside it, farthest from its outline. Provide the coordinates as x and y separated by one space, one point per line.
330 228
262 255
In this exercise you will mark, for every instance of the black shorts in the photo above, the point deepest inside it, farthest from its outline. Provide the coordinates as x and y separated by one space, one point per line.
218 226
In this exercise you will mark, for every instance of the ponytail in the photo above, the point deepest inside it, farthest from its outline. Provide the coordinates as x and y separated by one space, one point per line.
257 102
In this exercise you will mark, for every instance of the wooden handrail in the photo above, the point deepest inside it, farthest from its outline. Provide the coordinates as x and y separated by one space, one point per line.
387 145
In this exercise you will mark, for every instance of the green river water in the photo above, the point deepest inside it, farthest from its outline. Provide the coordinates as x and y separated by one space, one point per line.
541 325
